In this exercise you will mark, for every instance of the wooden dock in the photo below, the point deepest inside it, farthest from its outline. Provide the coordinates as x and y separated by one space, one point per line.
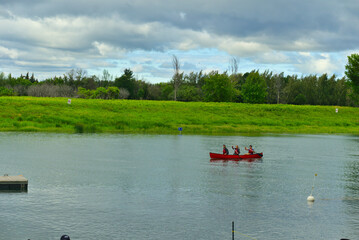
13 183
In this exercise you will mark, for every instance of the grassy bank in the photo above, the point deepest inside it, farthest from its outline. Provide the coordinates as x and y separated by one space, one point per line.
125 116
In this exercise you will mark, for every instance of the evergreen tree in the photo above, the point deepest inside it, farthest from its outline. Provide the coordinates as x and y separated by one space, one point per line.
127 81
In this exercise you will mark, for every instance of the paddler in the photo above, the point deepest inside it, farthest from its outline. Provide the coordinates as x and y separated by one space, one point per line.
225 150
250 150
236 150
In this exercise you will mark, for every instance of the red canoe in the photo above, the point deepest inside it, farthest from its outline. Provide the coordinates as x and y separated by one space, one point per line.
234 157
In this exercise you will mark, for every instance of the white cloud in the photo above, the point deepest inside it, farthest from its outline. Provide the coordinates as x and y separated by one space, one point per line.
272 57
8 53
317 64
303 45
304 54
242 48
107 50
40 64
138 68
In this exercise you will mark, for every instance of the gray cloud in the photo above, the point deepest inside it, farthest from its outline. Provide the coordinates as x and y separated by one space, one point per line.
271 22
55 35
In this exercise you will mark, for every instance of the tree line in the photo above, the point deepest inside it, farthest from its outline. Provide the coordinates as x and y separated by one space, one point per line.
249 87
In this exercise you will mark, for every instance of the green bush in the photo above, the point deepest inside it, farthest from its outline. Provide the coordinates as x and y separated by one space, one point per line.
6 91
79 128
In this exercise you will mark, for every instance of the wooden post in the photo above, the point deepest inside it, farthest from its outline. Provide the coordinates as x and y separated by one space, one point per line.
233 230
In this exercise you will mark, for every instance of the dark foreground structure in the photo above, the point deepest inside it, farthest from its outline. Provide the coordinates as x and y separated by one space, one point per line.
13 183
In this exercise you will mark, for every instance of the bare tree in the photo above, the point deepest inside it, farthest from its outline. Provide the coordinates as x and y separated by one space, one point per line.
70 75
123 93
233 65
80 74
177 77
106 76
278 85
49 90
20 90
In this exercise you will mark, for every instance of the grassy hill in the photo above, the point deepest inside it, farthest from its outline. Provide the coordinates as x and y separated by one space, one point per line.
164 117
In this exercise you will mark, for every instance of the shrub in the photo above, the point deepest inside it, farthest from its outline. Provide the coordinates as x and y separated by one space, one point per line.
79 128
85 93
123 93
49 90
6 91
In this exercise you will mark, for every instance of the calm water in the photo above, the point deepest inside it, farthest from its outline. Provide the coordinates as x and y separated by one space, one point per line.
165 187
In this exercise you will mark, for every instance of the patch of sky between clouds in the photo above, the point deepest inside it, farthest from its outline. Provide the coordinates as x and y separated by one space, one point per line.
155 66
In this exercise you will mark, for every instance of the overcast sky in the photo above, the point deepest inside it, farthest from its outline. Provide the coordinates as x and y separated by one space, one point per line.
51 37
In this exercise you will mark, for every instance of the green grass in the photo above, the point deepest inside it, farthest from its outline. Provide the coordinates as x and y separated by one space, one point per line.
30 114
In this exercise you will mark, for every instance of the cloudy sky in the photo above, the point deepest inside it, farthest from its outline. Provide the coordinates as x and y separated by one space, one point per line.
51 37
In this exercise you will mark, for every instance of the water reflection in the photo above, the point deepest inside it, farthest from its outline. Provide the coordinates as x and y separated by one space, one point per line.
351 199
351 175
236 161
242 179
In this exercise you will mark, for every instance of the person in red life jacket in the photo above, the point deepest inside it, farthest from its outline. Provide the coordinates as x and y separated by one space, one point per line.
250 150
225 150
236 150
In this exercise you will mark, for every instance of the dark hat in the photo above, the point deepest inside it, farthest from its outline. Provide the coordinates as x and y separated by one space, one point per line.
65 237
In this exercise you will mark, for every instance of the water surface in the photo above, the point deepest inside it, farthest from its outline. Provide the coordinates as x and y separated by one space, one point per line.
166 187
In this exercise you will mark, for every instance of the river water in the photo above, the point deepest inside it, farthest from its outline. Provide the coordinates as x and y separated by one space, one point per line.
165 187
